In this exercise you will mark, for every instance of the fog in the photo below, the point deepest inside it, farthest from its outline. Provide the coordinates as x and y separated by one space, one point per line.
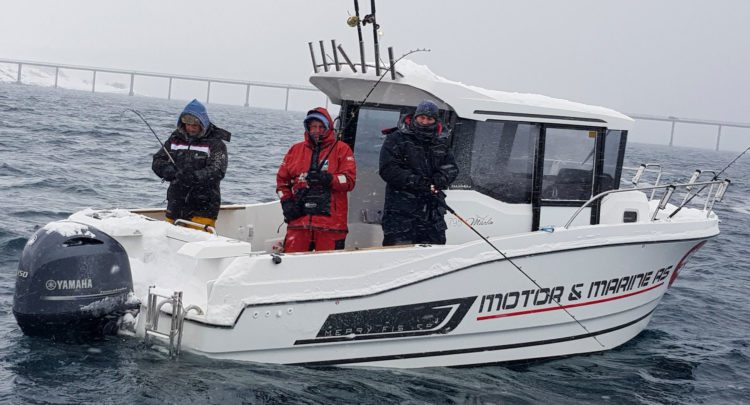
669 58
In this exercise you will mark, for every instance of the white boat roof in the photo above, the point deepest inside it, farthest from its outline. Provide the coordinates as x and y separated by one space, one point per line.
415 83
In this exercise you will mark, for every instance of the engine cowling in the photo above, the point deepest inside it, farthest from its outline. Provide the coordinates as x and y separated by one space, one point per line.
73 283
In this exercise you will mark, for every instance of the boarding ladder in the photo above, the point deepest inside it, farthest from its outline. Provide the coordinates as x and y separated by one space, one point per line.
157 298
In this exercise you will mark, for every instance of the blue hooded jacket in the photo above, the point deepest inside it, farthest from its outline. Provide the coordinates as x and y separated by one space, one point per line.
197 109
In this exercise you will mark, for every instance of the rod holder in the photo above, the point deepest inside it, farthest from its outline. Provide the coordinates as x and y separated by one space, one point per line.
312 56
323 55
335 56
638 174
664 200
721 190
693 178
392 63
666 197
346 58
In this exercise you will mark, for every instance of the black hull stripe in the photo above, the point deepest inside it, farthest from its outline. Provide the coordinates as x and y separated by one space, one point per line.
473 350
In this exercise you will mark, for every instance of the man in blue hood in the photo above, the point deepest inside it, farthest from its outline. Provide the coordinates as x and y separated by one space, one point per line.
193 161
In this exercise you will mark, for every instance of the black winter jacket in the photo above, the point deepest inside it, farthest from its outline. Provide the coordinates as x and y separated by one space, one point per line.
206 158
409 161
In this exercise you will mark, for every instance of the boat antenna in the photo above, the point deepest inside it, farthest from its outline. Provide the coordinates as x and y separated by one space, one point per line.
153 132
447 207
716 177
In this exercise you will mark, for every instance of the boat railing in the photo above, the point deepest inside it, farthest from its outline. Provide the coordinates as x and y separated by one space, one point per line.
716 191
697 175
646 168
196 225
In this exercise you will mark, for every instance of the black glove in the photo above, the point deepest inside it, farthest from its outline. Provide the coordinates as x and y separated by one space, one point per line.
421 184
319 179
440 181
186 176
169 172
291 210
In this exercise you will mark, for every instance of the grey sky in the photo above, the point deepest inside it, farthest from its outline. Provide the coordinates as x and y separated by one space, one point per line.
661 57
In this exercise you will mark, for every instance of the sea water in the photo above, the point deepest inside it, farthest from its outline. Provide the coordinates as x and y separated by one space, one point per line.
64 150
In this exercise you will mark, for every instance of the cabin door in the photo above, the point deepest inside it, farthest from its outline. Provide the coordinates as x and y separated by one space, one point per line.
567 161
368 197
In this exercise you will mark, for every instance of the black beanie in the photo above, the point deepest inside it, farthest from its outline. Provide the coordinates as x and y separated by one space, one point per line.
427 108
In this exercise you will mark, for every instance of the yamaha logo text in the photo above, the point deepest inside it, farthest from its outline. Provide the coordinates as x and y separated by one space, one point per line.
68 284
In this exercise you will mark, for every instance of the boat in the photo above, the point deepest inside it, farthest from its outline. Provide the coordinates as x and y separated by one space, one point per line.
550 250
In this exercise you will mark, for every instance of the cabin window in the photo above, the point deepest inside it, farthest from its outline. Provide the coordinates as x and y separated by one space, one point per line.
496 158
568 163
612 160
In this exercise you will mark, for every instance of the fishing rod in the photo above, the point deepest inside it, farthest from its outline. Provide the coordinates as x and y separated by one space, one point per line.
351 119
315 163
716 177
153 132
381 79
447 207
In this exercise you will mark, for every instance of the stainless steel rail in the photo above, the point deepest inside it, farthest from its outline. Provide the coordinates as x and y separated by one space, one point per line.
177 317
669 189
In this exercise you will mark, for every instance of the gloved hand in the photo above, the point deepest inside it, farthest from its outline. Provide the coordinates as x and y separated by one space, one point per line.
440 181
186 176
169 172
291 210
319 179
421 184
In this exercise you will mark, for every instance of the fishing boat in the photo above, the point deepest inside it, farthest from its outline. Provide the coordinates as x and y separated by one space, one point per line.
550 251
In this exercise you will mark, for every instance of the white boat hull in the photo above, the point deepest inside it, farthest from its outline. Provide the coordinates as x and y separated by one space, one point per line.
422 313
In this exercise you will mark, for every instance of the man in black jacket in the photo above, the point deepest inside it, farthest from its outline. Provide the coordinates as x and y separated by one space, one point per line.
416 163
197 165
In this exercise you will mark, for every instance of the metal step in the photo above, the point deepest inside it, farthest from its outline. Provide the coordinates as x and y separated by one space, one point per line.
157 298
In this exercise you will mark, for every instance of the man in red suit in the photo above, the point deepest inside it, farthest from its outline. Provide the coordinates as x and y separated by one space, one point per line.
312 183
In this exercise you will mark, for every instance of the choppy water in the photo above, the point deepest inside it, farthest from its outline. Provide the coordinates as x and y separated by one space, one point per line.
61 151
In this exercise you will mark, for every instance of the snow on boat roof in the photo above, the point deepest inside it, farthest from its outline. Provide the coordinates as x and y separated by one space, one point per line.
416 82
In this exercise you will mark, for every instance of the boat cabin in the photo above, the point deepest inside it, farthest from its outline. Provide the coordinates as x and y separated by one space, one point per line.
526 161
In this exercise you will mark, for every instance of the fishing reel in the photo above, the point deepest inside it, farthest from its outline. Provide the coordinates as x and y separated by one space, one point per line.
354 20
370 18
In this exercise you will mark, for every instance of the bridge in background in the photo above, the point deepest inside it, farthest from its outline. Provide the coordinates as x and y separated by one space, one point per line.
675 120
171 77
288 87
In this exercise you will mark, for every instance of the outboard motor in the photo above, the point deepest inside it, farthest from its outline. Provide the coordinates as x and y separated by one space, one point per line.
73 283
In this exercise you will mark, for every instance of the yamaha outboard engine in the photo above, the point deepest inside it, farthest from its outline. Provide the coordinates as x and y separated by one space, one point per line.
73 283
